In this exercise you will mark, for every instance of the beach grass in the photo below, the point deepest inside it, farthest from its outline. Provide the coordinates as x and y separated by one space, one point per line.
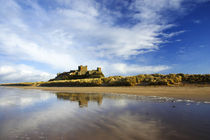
138 80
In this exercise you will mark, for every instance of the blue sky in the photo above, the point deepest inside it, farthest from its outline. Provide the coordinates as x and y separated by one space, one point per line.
39 38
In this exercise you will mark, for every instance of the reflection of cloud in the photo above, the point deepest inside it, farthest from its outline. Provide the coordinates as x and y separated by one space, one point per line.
66 119
134 125
22 98
69 119
122 103
31 121
118 118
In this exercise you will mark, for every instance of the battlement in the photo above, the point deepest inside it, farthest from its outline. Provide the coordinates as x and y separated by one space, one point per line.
82 68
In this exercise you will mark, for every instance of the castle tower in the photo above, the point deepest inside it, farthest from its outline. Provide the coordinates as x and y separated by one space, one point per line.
98 69
82 69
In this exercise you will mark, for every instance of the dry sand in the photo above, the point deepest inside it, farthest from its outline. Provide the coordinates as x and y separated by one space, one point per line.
191 93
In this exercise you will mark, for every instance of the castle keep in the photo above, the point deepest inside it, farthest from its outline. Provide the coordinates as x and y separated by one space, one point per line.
81 73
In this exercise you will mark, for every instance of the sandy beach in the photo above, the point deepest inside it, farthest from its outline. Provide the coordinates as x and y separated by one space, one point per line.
191 93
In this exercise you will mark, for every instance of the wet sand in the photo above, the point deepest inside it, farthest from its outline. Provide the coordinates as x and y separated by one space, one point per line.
189 93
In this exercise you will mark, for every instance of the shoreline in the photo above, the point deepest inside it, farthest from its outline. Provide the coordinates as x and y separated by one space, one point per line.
189 93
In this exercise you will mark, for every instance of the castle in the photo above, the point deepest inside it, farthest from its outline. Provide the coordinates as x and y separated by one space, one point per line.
81 73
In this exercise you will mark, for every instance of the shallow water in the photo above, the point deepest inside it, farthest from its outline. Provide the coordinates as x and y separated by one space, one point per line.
36 114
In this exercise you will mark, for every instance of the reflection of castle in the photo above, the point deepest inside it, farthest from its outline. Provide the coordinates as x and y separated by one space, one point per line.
82 98
81 73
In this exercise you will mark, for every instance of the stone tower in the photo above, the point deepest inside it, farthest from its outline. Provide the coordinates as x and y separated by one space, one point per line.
82 70
98 69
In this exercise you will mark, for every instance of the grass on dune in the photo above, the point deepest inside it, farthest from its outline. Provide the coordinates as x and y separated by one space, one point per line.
138 80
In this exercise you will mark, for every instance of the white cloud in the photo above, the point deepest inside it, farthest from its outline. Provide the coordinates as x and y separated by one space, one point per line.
197 21
22 73
29 50
173 34
84 32
133 69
